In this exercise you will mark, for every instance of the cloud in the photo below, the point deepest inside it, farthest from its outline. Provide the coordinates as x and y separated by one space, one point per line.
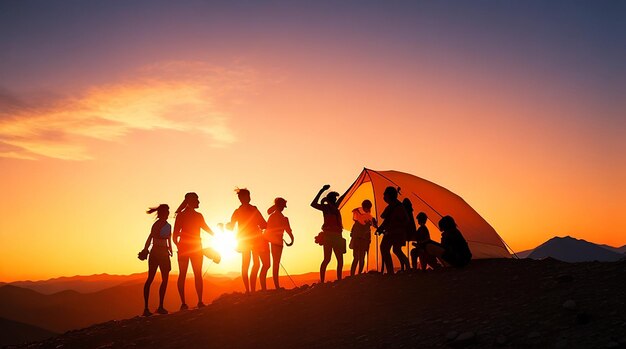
175 96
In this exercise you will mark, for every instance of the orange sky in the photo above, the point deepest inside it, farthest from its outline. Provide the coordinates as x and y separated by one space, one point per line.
534 153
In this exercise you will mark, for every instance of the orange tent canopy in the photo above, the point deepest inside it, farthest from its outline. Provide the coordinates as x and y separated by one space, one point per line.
427 197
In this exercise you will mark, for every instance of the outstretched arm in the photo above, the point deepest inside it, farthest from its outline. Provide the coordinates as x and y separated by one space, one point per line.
205 227
315 203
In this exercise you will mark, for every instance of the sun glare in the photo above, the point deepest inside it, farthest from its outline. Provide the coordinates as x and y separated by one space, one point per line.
225 243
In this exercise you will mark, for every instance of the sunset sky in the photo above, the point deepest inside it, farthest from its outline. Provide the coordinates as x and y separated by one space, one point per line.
109 107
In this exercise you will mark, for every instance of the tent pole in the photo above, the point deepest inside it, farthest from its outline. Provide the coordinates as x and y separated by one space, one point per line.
376 252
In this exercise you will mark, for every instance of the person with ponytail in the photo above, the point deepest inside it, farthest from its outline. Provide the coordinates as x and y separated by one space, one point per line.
250 241
187 239
277 225
161 239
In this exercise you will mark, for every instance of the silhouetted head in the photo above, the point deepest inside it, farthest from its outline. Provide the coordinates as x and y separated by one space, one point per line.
243 195
331 198
279 206
408 206
421 218
447 223
191 201
162 211
367 206
390 194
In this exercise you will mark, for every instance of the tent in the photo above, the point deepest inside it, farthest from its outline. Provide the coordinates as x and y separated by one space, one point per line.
432 199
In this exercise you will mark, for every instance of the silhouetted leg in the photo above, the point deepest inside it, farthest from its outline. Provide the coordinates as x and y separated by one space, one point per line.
355 261
404 261
434 249
385 252
196 265
245 266
164 278
328 251
361 261
414 255
183 264
152 269
339 257
265 266
277 252
255 270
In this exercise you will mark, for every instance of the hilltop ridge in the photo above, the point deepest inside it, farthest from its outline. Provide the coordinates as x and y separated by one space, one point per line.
510 303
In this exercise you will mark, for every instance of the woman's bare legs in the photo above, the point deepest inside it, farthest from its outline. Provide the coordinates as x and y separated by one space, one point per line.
245 265
255 270
277 252
265 266
339 257
196 266
146 287
183 264
164 278
327 255
362 261
355 261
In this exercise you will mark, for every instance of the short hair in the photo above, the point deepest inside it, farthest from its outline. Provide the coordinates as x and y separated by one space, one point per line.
366 204
421 217
242 192
447 223
391 191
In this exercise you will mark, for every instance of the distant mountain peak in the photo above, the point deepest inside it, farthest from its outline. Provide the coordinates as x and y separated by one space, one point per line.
570 249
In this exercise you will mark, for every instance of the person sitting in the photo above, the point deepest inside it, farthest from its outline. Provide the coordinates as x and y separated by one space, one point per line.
453 248
422 236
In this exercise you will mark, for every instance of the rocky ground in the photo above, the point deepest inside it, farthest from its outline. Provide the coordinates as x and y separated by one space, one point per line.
491 303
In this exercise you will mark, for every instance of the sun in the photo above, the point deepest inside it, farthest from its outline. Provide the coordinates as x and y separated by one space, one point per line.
225 243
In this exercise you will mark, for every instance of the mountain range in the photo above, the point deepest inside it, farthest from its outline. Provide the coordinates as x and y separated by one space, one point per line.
572 250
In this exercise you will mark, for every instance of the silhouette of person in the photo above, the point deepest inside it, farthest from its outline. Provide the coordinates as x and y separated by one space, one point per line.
361 235
161 239
330 237
410 228
250 242
422 236
393 227
277 225
187 239
453 248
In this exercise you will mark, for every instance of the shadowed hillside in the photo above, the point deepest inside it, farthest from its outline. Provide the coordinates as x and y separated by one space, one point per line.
511 303
12 332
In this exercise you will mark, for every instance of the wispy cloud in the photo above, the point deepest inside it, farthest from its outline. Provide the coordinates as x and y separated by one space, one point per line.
177 96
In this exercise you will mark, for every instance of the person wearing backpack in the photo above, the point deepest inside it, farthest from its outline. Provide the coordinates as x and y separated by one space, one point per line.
161 239
361 235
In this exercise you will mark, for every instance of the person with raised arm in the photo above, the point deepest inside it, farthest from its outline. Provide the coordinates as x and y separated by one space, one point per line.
330 237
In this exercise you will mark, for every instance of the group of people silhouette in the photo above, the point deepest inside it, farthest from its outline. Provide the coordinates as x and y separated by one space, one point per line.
398 228
261 242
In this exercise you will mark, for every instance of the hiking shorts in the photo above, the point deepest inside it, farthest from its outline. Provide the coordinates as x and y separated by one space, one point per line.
160 258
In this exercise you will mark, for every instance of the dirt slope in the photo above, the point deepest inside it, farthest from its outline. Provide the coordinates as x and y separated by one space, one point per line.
492 303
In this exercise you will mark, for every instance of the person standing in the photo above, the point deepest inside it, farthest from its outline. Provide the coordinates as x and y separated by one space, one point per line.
187 239
250 242
277 225
393 227
161 239
330 237
361 235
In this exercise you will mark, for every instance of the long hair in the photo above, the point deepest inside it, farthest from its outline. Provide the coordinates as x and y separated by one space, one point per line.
160 210
183 205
